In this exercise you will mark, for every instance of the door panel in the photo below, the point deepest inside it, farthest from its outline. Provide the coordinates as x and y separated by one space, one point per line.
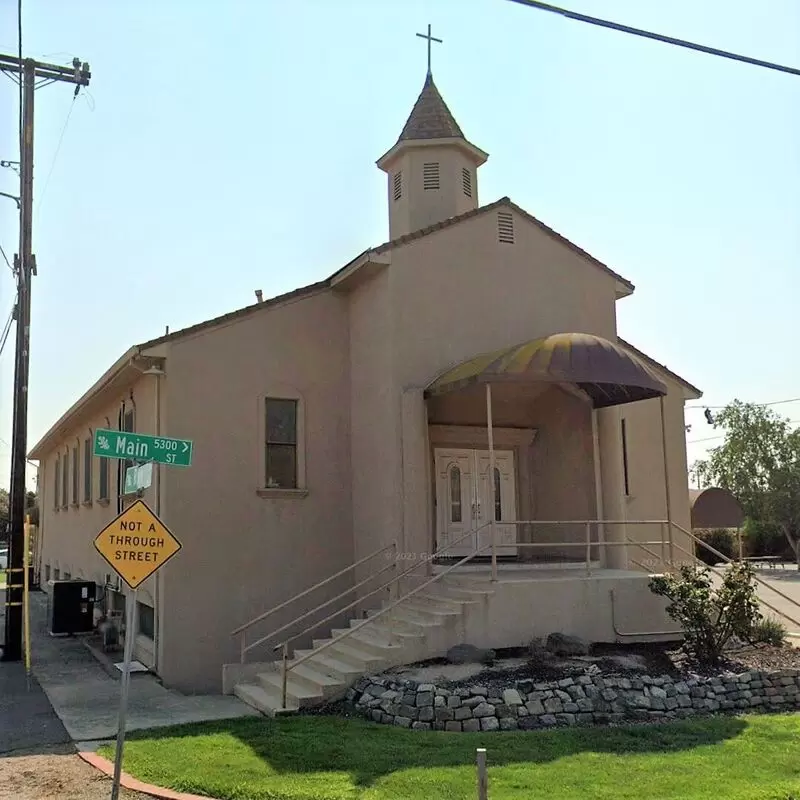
454 502
466 500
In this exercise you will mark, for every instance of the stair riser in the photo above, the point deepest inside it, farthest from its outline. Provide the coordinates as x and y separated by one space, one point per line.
325 688
272 683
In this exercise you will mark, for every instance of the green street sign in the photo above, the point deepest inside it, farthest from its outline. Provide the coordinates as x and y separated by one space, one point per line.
142 447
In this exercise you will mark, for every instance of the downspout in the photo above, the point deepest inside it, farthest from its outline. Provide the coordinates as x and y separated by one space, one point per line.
598 489
667 492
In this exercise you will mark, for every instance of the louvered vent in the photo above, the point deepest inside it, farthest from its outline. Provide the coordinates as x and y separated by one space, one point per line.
430 175
505 227
398 185
466 181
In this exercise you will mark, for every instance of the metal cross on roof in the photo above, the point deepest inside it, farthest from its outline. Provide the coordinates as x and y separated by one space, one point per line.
430 39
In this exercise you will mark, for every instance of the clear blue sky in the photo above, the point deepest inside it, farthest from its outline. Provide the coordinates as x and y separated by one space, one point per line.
226 147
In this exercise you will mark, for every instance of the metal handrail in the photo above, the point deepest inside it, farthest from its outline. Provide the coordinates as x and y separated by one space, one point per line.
313 611
311 589
371 620
396 578
757 579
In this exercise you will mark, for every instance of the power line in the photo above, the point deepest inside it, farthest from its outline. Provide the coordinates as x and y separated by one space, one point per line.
6 329
5 258
774 403
722 435
616 26
55 158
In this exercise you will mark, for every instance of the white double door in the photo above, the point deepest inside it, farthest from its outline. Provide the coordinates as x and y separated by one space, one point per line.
468 498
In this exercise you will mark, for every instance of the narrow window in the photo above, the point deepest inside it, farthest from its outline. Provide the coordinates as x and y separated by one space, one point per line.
430 175
57 487
147 621
398 185
281 444
102 493
46 573
466 181
87 470
75 475
65 481
455 494
56 574
505 227
625 457
128 422
498 504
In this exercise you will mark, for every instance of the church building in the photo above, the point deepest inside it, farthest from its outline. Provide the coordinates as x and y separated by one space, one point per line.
446 440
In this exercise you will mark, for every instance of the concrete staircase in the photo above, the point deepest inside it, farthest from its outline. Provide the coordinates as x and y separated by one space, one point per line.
422 626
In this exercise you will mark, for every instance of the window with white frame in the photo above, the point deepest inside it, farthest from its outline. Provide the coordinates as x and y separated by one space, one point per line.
281 443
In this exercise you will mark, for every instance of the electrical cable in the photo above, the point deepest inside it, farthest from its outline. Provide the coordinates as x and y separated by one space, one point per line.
616 26
722 435
55 158
774 403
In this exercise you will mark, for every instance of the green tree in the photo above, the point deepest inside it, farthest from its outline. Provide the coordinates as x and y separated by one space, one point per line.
759 462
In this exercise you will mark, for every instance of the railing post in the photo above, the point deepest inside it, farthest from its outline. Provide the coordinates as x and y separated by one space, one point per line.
284 673
483 778
243 646
588 548
494 550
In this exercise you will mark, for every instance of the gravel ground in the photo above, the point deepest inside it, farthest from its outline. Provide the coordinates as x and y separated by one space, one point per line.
55 773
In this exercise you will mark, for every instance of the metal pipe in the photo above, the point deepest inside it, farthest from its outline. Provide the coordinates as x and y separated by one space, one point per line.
667 491
490 482
618 632
308 591
588 549
483 777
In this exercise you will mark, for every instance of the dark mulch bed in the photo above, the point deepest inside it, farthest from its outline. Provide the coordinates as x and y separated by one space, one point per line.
759 657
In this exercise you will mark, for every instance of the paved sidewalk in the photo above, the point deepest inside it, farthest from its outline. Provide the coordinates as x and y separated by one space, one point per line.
86 698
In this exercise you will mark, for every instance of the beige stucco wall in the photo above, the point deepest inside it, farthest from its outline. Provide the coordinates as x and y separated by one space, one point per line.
68 533
647 496
244 553
455 294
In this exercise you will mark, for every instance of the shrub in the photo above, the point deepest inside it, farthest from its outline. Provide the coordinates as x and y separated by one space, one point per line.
721 539
710 617
765 539
770 631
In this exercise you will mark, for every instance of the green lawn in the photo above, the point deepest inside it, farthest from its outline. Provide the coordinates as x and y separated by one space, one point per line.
328 758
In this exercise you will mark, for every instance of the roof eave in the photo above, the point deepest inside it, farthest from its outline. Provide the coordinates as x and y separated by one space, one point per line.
360 269
390 156
690 391
128 366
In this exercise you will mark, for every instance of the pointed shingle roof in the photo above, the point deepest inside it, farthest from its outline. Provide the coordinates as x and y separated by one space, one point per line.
430 118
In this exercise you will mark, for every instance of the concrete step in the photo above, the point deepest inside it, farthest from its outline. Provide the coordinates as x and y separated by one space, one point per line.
297 694
391 631
343 670
449 600
259 698
468 591
424 619
350 654
306 675
437 609
400 622
369 641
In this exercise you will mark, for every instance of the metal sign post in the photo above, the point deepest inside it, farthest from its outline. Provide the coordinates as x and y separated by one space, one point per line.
130 635
136 543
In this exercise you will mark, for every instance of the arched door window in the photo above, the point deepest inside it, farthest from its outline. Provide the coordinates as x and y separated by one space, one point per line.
455 494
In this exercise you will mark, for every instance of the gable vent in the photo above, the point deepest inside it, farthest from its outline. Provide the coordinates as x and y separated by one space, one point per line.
398 185
466 181
430 175
505 227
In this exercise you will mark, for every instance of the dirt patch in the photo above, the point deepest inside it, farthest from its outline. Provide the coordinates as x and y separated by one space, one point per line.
56 773
758 657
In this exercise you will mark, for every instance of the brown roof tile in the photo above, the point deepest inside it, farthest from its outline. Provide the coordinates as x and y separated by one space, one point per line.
430 118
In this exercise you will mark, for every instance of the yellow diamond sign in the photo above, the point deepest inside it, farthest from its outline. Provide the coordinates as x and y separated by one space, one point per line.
136 544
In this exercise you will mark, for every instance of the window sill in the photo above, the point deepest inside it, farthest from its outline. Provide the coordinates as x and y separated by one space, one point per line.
281 494
87 503
103 501
73 505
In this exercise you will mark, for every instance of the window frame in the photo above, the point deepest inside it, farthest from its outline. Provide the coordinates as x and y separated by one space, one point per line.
103 476
88 460
76 474
65 480
301 487
57 483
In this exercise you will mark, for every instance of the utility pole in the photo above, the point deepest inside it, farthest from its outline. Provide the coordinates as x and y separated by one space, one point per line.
32 74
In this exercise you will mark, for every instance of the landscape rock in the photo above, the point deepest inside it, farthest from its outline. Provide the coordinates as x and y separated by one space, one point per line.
563 644
469 654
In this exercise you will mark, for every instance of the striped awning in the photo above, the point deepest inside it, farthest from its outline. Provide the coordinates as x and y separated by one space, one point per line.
609 374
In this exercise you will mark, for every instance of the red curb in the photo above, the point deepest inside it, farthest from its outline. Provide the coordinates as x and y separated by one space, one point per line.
129 782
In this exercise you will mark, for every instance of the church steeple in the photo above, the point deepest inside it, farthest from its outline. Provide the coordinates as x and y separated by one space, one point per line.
432 168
